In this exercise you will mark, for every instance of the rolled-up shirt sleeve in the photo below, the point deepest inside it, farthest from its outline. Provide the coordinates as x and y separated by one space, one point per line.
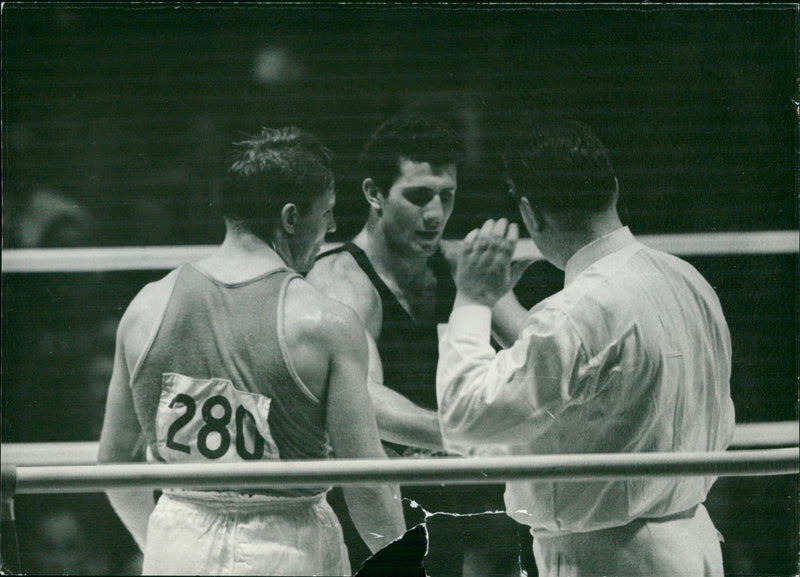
506 397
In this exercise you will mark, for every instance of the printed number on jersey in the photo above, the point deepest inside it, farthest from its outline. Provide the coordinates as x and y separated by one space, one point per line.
210 419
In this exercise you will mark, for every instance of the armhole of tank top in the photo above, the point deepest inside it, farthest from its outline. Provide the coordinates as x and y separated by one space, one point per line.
287 359
383 291
156 327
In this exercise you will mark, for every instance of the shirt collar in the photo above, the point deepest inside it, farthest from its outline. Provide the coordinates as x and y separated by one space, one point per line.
595 250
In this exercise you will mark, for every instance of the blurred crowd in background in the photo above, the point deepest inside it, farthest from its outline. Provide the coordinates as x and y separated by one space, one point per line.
118 121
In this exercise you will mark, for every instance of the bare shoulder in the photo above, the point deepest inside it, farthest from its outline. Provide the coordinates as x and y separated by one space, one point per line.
144 314
339 277
311 315
320 333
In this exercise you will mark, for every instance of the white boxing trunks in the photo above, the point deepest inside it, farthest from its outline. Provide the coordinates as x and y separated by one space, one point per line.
682 545
229 533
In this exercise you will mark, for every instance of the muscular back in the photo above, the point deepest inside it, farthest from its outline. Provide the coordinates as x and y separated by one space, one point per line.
324 347
217 382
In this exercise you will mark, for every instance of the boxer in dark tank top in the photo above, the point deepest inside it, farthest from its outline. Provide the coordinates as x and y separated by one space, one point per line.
394 275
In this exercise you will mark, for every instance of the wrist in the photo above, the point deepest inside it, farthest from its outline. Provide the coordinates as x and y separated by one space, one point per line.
470 319
463 299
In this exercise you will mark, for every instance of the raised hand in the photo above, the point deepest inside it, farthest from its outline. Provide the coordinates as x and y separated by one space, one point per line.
484 272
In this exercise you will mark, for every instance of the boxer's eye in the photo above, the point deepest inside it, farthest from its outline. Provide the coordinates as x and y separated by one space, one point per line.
418 196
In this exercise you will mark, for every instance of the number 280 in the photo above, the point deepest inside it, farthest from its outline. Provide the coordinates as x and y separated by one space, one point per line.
214 424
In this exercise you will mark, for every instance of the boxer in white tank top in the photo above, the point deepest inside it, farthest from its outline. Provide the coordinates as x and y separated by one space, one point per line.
235 358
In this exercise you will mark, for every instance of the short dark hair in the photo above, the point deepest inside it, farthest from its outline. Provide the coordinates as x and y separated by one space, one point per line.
560 166
417 137
277 167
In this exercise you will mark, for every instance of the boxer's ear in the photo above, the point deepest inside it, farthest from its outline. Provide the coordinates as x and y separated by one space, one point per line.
530 216
289 216
372 194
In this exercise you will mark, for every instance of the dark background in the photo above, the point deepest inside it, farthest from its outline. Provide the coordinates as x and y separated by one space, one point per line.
118 121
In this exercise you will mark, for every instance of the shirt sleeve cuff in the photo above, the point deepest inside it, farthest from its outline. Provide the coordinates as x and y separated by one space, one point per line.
471 322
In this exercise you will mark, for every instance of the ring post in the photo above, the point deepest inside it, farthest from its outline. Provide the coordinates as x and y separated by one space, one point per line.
9 544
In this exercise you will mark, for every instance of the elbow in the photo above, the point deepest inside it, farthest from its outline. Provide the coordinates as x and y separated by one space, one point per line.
126 448
456 428
458 438
104 451
387 425
452 423
106 455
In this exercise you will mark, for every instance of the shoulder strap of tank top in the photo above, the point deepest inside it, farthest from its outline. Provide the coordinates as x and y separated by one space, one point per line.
363 261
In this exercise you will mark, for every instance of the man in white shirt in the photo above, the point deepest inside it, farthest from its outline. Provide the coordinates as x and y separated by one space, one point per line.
633 355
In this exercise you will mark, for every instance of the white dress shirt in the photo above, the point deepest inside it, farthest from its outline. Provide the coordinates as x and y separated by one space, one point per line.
633 355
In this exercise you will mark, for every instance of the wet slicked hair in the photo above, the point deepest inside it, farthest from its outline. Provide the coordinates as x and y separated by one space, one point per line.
277 167
417 137
560 166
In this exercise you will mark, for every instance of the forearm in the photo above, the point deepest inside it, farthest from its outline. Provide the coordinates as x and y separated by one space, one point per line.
508 317
480 401
377 513
134 508
122 442
401 421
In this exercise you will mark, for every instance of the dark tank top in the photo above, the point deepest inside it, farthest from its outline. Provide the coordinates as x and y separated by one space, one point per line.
217 360
409 353
409 350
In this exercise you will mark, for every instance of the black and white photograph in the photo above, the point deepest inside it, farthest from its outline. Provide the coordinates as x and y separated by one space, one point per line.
400 289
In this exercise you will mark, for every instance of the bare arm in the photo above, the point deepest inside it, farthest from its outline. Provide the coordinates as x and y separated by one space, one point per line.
122 441
508 317
375 509
399 420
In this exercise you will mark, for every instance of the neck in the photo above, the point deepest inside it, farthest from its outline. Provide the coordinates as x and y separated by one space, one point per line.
239 244
566 241
387 258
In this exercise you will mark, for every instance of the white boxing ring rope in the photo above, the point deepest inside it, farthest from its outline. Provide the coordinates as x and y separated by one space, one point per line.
69 467
445 470
745 436
166 257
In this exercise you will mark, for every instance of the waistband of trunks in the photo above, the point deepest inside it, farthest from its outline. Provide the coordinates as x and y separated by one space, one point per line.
242 502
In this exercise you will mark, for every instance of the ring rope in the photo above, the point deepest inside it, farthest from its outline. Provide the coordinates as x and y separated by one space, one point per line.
774 434
167 257
584 467
76 477
746 435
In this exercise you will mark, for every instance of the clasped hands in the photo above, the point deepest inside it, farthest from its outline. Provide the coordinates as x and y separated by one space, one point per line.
484 270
